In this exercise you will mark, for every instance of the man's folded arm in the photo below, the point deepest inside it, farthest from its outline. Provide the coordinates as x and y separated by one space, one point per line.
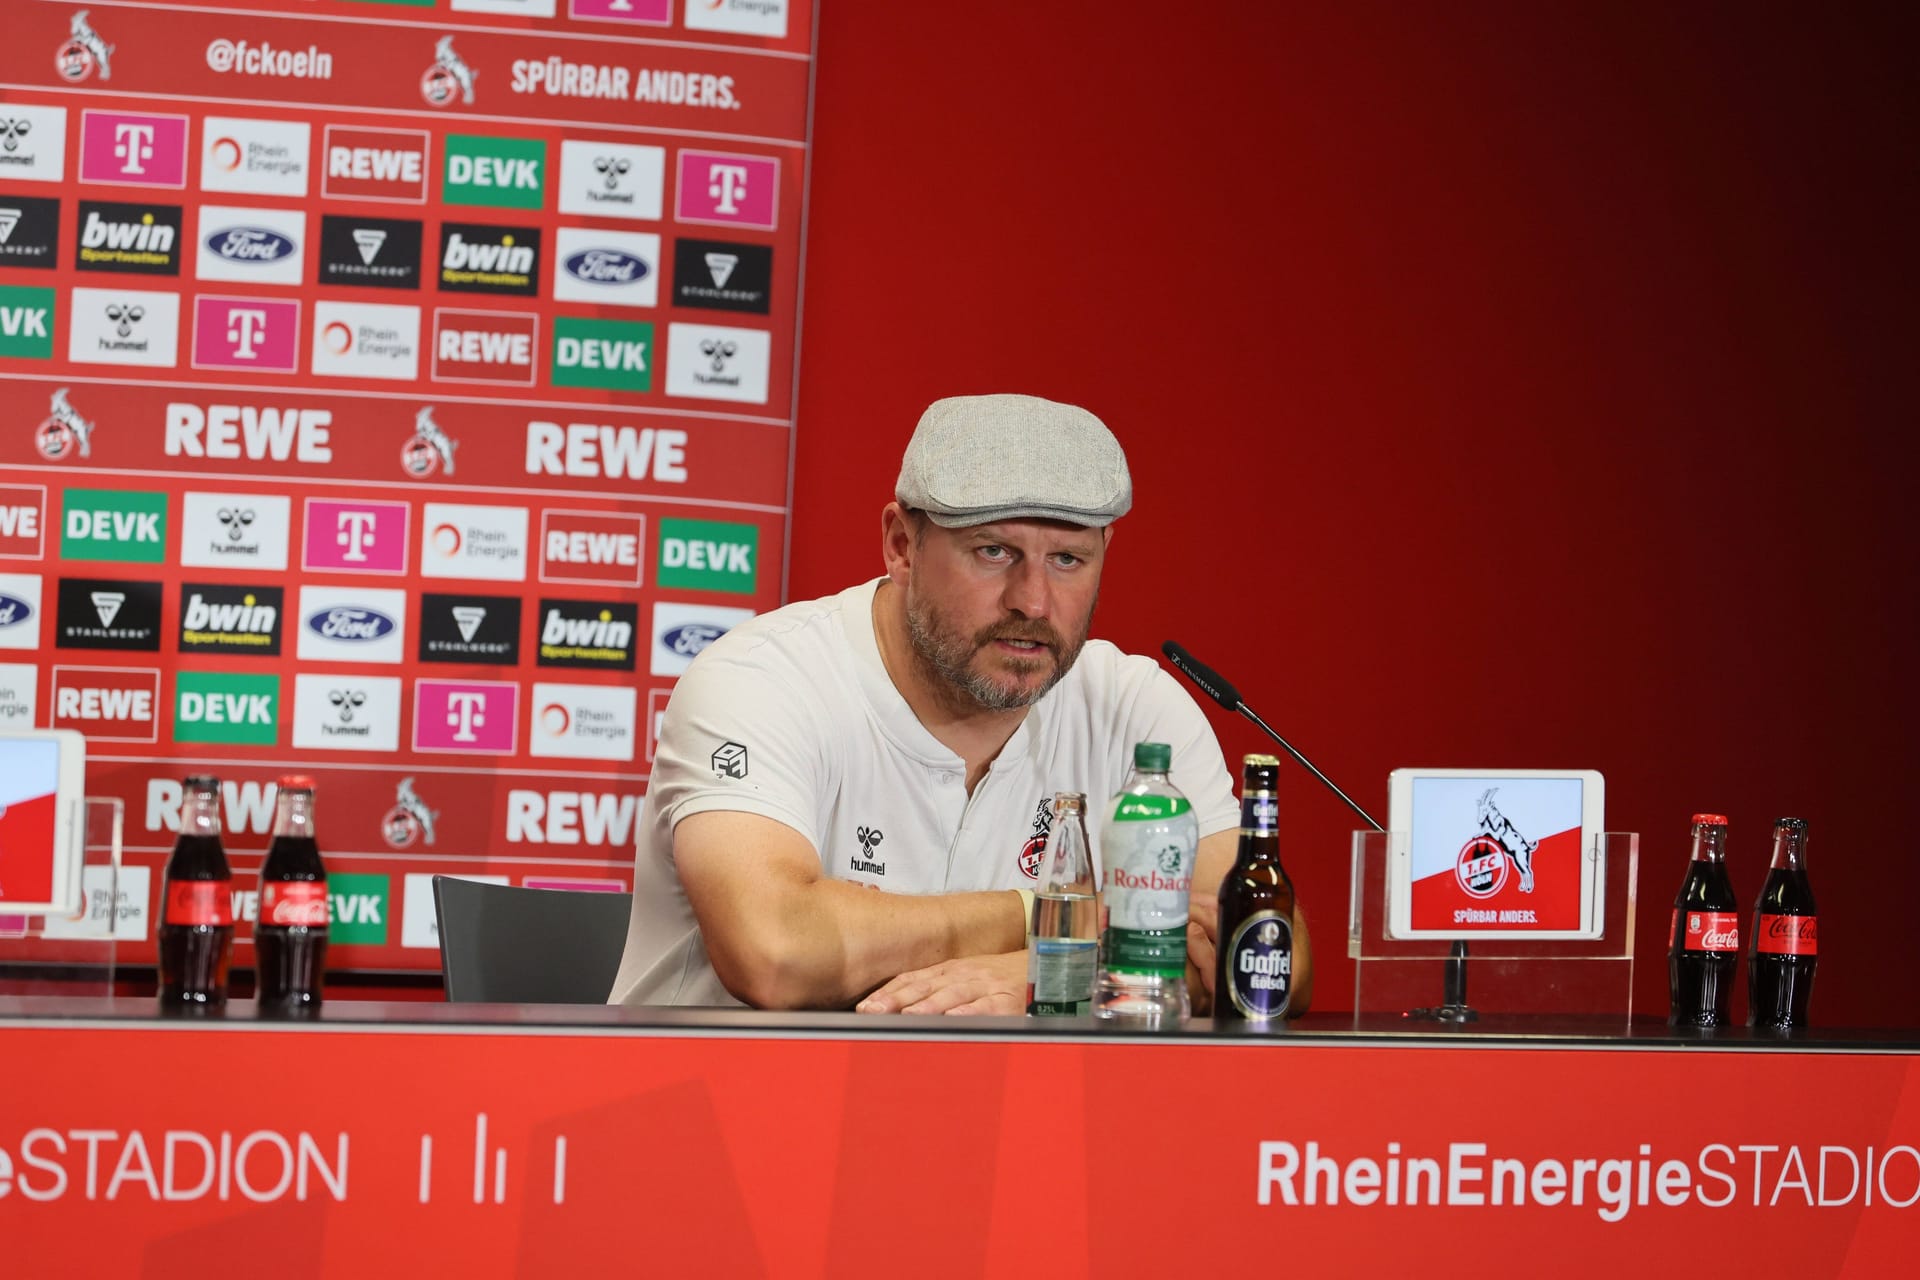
781 934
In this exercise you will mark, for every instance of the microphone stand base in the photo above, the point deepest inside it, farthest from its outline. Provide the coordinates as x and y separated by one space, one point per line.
1444 1013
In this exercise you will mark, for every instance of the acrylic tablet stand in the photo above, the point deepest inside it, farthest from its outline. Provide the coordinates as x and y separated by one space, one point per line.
1586 978
75 955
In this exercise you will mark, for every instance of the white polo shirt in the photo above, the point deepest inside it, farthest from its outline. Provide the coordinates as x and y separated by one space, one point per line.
792 716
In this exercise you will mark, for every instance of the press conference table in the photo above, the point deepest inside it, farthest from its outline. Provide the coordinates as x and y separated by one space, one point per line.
418 1138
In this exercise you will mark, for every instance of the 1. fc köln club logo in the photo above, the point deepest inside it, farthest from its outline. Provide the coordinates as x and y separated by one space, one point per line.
83 53
1035 849
63 433
429 449
447 77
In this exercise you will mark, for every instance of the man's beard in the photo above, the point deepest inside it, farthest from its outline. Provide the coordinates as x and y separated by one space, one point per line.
949 655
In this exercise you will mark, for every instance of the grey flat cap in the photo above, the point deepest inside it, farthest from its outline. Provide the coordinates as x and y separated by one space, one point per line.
978 459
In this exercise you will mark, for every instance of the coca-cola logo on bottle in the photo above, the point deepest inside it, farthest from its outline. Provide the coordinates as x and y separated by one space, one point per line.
1713 931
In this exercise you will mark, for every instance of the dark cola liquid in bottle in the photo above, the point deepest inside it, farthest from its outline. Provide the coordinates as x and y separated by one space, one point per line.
196 920
290 939
1253 964
1786 935
1703 949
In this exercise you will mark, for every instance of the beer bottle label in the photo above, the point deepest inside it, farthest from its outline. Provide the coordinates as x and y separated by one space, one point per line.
199 902
1260 966
294 902
1712 931
1789 935
1260 813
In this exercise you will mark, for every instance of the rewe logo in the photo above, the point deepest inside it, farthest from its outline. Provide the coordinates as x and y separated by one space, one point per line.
246 808
598 818
728 190
133 150
591 547
22 521
375 164
260 334
110 704
355 537
234 431
484 346
588 449
471 716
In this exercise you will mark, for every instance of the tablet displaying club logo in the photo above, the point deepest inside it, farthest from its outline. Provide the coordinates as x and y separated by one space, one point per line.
429 450
449 75
410 819
1494 853
83 53
63 433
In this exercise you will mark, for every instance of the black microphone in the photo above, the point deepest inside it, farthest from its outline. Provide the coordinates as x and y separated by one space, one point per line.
1214 686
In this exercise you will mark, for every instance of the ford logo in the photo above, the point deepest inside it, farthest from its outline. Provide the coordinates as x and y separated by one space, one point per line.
14 611
250 244
351 623
690 638
606 266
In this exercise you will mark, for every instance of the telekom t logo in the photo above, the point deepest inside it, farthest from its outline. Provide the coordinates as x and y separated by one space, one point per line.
465 713
356 534
133 144
727 184
244 326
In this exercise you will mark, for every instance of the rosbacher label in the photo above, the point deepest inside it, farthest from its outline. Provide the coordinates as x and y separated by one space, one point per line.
1147 875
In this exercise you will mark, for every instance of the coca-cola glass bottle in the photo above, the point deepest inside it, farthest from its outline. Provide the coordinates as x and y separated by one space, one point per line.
290 940
1703 948
1786 935
196 895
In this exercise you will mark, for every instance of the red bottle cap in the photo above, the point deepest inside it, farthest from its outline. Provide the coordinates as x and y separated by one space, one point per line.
296 782
1700 819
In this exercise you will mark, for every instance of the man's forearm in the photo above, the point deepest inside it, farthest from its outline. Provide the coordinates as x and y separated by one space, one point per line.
838 940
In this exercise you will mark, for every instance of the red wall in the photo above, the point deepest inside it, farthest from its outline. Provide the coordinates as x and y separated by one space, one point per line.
1503 384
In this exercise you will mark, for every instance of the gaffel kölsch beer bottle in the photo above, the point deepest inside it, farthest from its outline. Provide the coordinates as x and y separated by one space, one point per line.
1253 963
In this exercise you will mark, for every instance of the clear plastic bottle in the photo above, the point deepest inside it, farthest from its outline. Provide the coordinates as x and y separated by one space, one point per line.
1062 937
1148 849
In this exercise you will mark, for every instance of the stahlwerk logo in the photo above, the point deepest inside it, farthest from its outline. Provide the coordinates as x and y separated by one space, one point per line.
108 614
870 839
29 232
243 621
730 761
377 253
410 819
476 258
63 433
483 630
83 52
588 634
429 449
720 275
129 238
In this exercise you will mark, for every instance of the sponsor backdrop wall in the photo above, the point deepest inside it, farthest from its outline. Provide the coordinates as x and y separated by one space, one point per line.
1504 384
401 393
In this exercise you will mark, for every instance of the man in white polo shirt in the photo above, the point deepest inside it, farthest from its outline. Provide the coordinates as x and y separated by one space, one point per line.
850 795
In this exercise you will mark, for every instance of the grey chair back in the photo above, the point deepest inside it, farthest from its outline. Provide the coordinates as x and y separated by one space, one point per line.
500 944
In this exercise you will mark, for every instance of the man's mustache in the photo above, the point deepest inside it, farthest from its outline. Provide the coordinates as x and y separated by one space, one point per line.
1036 632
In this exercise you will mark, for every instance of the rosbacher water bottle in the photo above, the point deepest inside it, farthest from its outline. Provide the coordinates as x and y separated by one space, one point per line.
1146 876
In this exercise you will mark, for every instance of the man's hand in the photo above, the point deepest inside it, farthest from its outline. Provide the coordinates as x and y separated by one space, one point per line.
975 984
1203 927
